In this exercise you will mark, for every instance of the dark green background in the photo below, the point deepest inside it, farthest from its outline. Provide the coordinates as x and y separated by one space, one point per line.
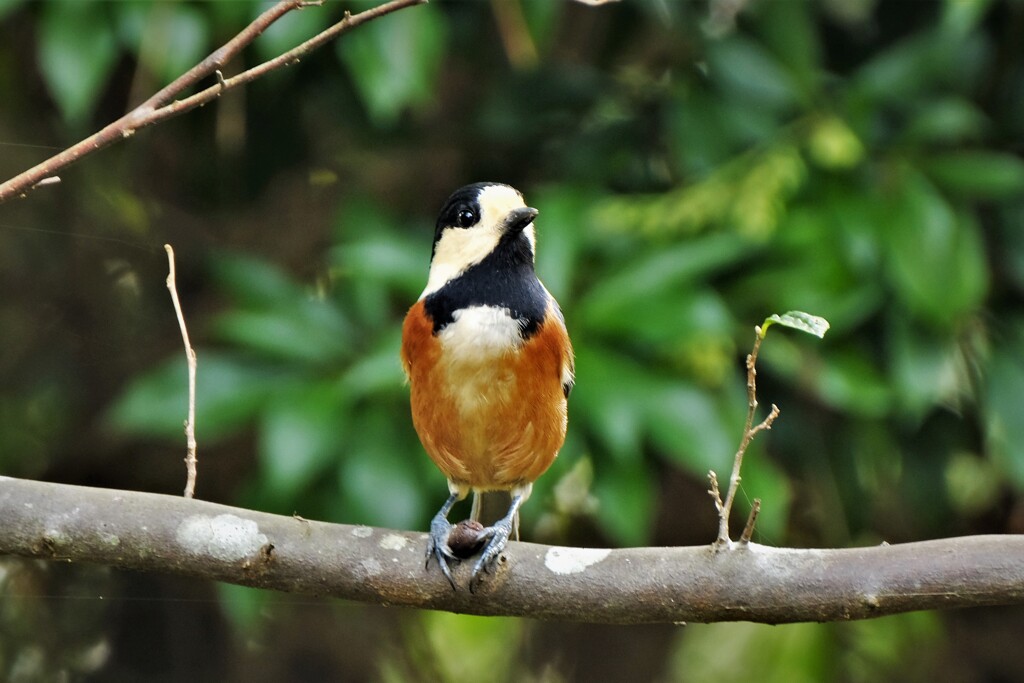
695 172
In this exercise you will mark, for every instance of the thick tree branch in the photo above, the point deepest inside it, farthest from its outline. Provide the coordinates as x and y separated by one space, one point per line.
164 105
152 532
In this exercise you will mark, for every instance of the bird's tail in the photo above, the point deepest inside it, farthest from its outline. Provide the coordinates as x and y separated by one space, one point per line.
491 506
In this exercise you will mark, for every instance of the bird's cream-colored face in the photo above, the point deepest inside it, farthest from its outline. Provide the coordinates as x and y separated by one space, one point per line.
461 247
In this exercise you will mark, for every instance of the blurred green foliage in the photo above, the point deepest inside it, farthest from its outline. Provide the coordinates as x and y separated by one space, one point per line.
856 198
694 173
863 651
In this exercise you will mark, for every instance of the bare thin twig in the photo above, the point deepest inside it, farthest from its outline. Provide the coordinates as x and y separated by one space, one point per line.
748 530
190 355
163 104
749 431
714 492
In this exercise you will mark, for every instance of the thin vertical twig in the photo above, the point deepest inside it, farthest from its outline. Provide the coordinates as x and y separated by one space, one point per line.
715 494
190 354
748 530
749 431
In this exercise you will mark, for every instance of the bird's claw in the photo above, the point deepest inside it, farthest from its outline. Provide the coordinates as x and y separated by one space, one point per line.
437 547
498 534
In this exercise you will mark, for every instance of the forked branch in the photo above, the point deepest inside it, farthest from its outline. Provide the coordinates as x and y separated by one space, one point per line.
796 320
165 103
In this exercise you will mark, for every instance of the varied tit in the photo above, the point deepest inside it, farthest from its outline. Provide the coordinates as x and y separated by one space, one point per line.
489 363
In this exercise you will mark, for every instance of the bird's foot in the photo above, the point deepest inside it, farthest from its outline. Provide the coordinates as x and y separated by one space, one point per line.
498 536
437 546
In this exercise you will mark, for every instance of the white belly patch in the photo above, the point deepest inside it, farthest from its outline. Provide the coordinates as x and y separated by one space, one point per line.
480 333
475 339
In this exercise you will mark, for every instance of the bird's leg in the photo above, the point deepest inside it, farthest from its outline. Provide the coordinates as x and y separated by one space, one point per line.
498 533
437 546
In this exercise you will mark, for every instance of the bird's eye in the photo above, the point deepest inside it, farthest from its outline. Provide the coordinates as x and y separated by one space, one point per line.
465 218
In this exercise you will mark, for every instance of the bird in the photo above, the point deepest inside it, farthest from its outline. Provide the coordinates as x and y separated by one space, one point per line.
489 363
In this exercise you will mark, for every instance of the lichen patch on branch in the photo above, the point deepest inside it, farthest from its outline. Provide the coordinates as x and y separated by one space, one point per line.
224 537
573 560
393 542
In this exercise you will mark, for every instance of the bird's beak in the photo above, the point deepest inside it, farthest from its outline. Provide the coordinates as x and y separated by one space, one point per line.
518 219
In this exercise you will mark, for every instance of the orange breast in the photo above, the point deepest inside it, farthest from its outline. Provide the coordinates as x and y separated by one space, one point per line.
488 423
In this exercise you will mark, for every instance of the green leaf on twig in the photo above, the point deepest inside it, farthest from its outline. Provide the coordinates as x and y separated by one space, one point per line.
798 320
